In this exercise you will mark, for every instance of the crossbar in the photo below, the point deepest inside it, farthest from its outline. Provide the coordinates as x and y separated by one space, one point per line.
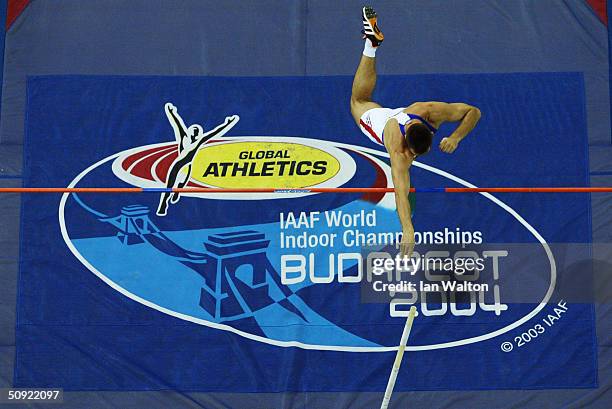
307 190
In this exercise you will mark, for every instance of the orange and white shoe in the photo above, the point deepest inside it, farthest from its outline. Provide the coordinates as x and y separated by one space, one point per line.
370 27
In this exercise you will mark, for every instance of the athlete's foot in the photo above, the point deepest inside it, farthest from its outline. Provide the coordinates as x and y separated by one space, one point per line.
174 198
370 27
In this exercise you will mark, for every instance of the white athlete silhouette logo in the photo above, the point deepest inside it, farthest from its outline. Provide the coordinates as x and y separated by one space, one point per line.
190 140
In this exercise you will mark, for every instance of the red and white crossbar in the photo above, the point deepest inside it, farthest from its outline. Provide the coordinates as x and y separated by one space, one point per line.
307 190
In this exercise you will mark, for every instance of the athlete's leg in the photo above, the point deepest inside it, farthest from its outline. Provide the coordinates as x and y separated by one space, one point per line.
365 77
184 178
363 85
173 173
162 208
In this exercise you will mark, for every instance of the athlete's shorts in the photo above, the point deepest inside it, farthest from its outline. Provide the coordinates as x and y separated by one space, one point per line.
372 122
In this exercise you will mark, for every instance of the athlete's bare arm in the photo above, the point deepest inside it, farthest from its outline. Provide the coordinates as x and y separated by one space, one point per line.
219 130
180 130
400 165
440 112
401 159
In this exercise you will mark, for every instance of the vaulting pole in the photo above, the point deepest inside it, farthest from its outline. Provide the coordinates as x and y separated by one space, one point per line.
398 358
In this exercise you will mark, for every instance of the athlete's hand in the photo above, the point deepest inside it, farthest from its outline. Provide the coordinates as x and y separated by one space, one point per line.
406 249
448 145
407 244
